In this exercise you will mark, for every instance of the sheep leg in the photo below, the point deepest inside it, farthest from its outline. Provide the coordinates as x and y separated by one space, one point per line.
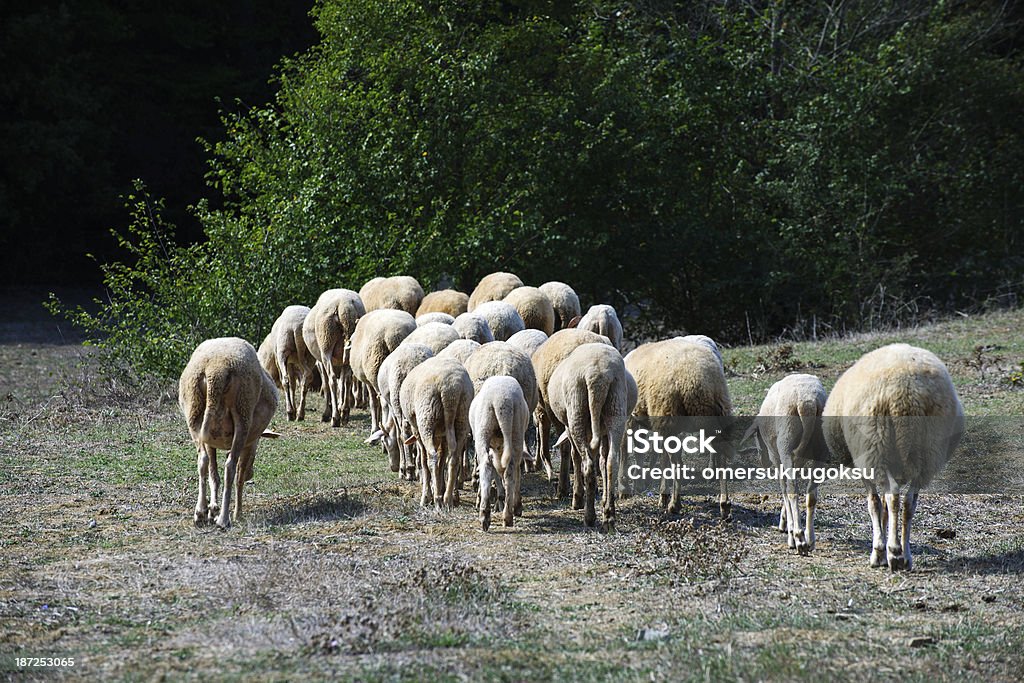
374 411
877 513
509 481
893 545
674 505
202 465
517 482
543 422
608 482
794 532
663 463
333 388
214 480
577 479
812 505
782 512
724 506
245 470
565 457
909 508
300 413
325 390
231 469
589 475
486 473
346 391
427 497
450 461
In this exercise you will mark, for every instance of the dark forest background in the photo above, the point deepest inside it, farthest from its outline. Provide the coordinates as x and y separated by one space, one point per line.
747 169
96 93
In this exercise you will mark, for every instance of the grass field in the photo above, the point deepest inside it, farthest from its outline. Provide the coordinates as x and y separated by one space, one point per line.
336 571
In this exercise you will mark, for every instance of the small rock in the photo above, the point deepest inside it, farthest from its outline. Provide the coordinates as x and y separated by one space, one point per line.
947 534
988 598
658 632
921 641
92 523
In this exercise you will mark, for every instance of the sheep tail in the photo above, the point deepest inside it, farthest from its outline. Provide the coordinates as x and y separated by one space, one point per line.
214 386
808 413
596 397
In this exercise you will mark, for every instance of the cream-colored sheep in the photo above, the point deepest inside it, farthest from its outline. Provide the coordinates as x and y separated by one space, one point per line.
601 318
227 400
400 292
335 315
460 350
435 399
473 326
544 360
377 334
788 434
682 379
534 307
588 393
493 287
435 335
435 317
498 417
564 301
296 365
323 385
706 341
897 413
444 301
501 358
268 359
394 431
528 340
502 318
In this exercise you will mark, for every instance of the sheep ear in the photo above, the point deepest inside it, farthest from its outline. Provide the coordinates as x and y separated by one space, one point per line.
562 438
574 322
410 440
270 435
375 437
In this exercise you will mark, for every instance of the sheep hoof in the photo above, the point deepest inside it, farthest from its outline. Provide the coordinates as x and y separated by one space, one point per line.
877 557
609 524
485 521
223 523
664 500
590 519
791 541
726 510
291 416
518 511
896 560
326 417
301 416
804 550
335 421
200 518
674 507
509 520
577 504
624 492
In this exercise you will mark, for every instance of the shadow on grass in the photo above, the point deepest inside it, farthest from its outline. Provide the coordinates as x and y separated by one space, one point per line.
1010 562
321 507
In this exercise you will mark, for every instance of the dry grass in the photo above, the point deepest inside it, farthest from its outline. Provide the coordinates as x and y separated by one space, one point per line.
336 572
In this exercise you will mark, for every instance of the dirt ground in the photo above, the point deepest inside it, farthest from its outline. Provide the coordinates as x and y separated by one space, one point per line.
336 572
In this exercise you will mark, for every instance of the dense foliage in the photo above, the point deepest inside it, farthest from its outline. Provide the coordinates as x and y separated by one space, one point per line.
732 168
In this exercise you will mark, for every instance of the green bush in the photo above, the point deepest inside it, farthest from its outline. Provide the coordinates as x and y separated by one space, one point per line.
730 169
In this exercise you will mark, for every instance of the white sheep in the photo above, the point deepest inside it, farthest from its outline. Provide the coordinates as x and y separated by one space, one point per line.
894 412
534 307
435 399
473 326
335 315
498 417
313 347
434 317
601 318
589 394
268 359
401 292
788 434
493 287
435 335
706 341
228 400
377 334
448 301
295 364
682 379
528 340
545 360
565 302
393 371
460 350
503 319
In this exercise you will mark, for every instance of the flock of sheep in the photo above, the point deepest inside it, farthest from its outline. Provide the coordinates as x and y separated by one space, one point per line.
510 364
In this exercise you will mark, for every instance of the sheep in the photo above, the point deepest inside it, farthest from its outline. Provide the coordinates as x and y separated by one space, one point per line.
528 341
534 307
588 393
602 319
493 287
228 400
503 319
444 301
401 292
435 335
435 399
435 317
335 315
460 350
706 341
564 301
787 432
498 417
296 365
473 326
321 382
677 378
894 412
268 359
377 334
501 358
393 371
544 360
